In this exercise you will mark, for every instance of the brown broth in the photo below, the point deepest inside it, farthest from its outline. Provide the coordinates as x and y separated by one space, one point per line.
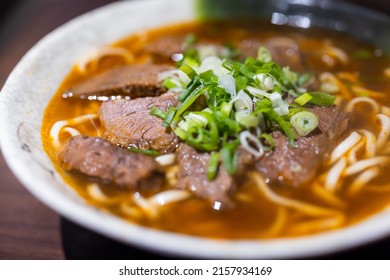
252 216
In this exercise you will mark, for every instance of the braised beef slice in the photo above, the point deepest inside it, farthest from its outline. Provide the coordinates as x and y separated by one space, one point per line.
129 123
193 176
284 51
136 80
163 48
109 164
297 166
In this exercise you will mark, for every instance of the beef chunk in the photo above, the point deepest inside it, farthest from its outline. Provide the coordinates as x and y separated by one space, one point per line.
193 176
297 166
136 80
109 164
129 123
284 51
163 48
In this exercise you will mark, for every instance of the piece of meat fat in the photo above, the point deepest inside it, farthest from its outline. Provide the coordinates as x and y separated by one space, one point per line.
108 164
128 123
137 80
296 166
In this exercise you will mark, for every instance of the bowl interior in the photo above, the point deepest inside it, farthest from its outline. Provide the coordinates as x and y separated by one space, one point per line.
34 80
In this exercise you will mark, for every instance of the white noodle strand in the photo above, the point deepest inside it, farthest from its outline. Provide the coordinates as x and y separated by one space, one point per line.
370 140
310 210
345 146
385 131
96 55
167 159
72 131
362 99
170 196
366 163
334 174
352 158
96 193
362 180
59 125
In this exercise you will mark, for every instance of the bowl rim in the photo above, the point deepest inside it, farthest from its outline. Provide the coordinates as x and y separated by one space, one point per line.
160 241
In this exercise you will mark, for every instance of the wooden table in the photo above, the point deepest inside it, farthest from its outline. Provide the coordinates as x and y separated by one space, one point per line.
28 229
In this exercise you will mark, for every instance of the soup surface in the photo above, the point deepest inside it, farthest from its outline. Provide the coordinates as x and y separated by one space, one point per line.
350 184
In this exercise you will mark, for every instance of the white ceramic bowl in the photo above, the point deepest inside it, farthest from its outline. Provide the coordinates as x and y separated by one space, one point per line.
32 84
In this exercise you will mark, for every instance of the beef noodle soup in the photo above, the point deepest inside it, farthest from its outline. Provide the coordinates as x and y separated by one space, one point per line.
227 130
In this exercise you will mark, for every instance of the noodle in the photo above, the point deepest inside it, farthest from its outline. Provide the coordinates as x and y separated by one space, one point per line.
345 146
279 222
59 125
385 131
318 225
306 208
371 144
95 56
366 163
96 193
374 105
352 155
362 180
334 174
328 196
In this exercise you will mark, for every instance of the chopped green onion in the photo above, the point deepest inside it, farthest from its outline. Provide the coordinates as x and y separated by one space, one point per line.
208 77
187 103
303 99
190 72
322 98
169 117
229 157
170 84
152 153
303 79
304 122
271 142
265 107
181 133
212 168
245 70
264 55
190 88
226 108
247 120
290 76
158 113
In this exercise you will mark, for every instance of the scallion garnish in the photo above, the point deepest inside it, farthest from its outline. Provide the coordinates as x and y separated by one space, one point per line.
223 100
190 72
304 122
152 153
169 116
229 157
303 99
158 113
212 169
322 98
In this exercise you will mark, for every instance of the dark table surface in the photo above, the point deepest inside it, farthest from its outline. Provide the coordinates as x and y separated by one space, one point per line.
28 229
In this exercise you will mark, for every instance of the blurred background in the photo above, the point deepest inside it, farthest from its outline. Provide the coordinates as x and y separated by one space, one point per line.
29 230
